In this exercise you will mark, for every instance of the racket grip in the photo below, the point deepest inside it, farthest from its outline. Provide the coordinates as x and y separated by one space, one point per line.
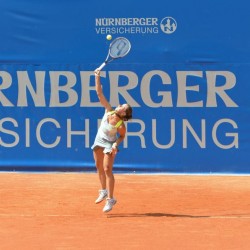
102 66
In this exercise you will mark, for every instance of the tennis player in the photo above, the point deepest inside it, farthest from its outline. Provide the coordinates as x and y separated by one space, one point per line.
109 136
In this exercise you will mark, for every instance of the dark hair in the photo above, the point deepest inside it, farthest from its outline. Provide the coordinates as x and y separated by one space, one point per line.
128 115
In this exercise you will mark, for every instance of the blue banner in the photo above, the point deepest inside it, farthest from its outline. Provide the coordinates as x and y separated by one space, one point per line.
186 78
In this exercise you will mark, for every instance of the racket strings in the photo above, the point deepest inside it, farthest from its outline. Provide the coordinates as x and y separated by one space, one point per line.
119 48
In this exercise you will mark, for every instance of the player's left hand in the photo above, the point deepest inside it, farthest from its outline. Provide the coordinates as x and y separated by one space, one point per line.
114 149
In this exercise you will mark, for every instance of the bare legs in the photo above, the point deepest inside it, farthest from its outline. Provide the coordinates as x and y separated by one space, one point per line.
104 164
98 157
108 162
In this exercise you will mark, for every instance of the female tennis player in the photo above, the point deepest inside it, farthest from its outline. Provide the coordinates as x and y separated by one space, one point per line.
109 136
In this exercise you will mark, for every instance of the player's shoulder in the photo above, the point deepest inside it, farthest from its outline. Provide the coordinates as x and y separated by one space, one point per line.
121 125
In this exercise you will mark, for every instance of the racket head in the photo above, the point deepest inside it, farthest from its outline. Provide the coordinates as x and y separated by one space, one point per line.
119 47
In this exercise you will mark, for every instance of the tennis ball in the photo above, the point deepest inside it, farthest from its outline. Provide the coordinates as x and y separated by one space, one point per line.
109 37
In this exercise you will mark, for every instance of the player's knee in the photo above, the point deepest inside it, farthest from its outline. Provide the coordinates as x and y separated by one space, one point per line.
97 164
107 170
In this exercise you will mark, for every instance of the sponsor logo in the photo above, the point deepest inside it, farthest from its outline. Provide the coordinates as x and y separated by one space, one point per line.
168 25
135 25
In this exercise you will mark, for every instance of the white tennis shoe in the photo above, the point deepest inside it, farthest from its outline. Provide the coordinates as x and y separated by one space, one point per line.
103 193
109 205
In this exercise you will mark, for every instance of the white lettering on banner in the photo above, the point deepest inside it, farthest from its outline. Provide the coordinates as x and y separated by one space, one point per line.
6 80
70 132
157 89
27 133
184 89
12 139
126 30
126 21
120 26
145 89
24 83
67 88
235 136
172 135
9 132
64 82
220 90
212 90
136 133
186 126
117 90
38 133
86 88
10 122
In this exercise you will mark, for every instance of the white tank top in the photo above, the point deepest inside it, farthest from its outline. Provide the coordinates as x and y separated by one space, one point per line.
106 130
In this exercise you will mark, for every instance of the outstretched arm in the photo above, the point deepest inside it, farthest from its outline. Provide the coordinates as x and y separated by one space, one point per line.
99 92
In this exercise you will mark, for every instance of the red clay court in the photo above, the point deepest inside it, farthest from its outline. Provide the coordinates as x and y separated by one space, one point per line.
57 211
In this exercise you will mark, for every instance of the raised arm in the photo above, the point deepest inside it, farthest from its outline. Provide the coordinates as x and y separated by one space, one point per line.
99 92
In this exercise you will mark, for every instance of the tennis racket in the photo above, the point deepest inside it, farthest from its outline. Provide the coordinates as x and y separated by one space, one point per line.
118 48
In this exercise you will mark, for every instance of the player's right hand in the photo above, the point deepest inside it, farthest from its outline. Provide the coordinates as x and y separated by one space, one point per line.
97 72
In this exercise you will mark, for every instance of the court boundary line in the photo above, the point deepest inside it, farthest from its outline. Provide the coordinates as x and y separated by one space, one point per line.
122 215
126 173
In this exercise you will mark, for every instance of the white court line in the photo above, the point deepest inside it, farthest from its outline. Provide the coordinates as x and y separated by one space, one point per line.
187 174
136 215
40 215
128 173
229 217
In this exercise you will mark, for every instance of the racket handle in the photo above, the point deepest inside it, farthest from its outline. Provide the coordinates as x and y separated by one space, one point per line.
102 66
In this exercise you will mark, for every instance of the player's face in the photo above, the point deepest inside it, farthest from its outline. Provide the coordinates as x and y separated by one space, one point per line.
121 109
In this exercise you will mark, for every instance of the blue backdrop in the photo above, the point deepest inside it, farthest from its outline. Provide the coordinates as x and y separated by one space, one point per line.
186 76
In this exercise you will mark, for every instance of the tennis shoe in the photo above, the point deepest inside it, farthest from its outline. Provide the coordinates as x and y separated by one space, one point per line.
109 205
102 195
